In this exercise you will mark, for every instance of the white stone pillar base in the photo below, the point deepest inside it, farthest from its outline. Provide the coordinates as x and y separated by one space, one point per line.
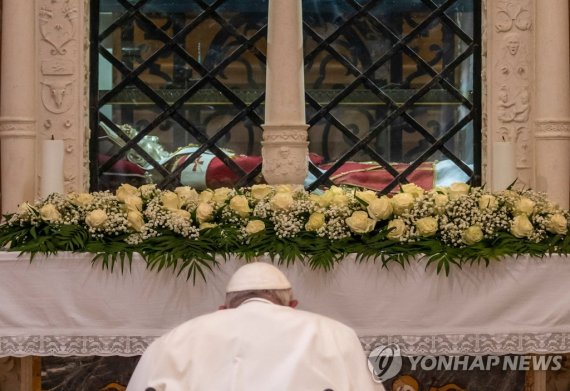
285 151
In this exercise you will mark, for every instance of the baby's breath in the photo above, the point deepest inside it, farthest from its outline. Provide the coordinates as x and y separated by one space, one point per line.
457 217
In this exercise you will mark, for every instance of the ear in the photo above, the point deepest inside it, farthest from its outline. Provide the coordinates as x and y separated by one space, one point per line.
293 303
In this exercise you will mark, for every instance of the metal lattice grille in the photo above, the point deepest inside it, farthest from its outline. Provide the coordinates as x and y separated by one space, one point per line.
392 83
194 81
391 101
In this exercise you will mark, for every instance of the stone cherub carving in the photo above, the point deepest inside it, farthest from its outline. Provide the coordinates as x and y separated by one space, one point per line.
514 61
513 110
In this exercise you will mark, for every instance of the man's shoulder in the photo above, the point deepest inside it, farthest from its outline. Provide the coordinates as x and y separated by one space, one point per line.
326 320
206 319
321 321
221 318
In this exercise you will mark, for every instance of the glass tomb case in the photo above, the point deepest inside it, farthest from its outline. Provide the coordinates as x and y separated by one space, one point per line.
178 86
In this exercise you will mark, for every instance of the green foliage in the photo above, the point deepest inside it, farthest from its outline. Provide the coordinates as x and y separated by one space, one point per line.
113 228
194 258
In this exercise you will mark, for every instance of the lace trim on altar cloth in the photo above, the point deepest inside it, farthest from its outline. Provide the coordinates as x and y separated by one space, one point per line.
455 344
52 345
473 344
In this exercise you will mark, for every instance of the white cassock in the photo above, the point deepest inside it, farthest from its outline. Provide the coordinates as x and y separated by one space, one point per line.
258 346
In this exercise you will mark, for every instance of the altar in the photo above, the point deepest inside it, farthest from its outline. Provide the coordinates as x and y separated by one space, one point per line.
63 305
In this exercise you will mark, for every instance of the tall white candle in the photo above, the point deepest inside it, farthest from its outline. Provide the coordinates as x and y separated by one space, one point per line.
504 170
285 74
51 180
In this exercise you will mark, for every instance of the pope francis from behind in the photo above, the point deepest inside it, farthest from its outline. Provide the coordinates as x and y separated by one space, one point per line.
256 342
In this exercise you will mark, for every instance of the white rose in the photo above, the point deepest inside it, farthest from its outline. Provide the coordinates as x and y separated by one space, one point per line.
366 196
281 201
488 201
24 208
204 212
340 200
126 190
457 190
380 208
472 235
170 200
183 214
261 192
240 205
396 229
136 220
440 200
81 199
147 190
316 221
207 226
206 196
402 202
521 226
221 195
187 195
336 190
254 226
96 218
49 212
284 189
322 200
133 202
525 206
557 224
360 223
412 189
427 226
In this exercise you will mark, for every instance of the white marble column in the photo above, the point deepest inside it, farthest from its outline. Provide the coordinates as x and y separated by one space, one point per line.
17 109
552 130
285 146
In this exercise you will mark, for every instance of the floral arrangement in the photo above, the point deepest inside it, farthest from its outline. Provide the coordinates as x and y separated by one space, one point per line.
187 231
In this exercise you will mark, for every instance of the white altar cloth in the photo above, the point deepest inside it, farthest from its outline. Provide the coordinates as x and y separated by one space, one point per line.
65 306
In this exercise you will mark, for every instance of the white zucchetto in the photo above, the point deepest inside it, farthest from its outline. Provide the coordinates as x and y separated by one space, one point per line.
257 276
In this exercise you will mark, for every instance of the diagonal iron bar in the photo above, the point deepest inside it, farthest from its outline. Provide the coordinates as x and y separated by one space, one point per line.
386 122
389 101
219 134
184 123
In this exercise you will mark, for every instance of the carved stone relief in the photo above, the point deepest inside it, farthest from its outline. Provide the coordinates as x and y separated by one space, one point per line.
57 95
513 15
510 90
61 56
284 152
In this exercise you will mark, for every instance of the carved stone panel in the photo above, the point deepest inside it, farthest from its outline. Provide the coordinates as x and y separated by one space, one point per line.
509 80
60 36
285 151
